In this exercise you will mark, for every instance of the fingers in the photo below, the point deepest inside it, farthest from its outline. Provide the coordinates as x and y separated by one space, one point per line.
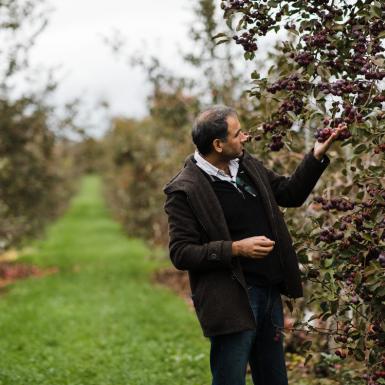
262 238
341 127
265 243
331 139
256 247
263 249
260 252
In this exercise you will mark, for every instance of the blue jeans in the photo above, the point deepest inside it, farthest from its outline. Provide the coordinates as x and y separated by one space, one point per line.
261 348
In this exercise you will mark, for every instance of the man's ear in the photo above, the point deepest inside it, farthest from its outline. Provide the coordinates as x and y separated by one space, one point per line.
217 145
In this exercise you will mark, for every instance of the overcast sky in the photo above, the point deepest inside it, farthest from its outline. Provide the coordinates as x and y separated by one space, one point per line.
73 43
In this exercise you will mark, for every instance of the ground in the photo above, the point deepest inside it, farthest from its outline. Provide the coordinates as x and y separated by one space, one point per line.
99 319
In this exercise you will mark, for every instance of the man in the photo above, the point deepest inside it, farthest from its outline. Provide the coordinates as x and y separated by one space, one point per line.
227 231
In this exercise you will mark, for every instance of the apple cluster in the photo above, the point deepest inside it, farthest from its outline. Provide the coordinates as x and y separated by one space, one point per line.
290 83
323 134
339 204
317 39
350 114
293 104
247 41
304 58
234 4
378 374
342 353
341 87
276 143
331 235
280 121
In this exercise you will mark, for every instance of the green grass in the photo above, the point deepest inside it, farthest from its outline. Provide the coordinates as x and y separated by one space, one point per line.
98 321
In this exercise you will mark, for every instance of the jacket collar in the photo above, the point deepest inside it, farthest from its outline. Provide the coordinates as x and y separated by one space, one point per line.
190 175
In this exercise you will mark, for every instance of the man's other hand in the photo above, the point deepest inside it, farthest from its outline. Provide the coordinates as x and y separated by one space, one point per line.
253 247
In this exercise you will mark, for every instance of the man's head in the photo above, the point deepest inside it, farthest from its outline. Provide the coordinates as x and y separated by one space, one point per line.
217 131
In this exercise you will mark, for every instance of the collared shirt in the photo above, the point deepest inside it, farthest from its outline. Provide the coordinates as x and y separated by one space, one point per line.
210 169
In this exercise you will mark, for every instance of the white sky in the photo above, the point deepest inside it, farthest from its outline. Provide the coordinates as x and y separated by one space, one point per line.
86 67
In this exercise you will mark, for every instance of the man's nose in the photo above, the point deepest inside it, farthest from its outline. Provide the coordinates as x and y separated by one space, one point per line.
245 137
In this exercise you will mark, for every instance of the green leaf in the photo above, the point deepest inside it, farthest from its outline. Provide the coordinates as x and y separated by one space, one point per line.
360 195
323 72
381 292
221 34
326 316
381 35
306 345
293 117
359 163
360 148
303 258
320 96
334 306
346 189
328 262
222 41
375 10
228 16
338 27
255 75
308 358
359 354
310 69
240 24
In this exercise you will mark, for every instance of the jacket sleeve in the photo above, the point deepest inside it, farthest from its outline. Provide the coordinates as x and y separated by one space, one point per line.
293 191
188 247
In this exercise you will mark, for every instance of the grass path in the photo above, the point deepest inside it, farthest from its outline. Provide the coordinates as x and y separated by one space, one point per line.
98 321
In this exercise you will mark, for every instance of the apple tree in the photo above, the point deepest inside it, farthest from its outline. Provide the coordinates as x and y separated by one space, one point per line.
332 74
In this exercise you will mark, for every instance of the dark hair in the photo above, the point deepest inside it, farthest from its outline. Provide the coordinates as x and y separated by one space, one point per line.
209 125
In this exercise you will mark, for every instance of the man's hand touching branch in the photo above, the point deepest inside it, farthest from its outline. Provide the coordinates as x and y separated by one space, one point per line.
321 148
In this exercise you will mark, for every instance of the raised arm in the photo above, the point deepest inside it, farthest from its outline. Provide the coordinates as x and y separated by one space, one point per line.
292 191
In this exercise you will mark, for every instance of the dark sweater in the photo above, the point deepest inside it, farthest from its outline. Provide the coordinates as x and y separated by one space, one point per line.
246 217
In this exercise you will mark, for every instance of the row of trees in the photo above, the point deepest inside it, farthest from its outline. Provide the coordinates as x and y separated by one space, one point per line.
332 73
36 166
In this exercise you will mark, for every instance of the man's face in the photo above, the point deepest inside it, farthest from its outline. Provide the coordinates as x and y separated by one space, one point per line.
233 146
